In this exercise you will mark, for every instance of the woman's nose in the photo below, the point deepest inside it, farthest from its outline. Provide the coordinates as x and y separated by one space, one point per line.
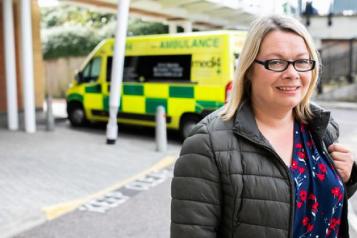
291 72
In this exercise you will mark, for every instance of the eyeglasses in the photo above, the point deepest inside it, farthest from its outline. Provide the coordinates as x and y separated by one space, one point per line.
279 65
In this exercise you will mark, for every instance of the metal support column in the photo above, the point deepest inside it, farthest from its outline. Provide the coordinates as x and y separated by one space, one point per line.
10 66
27 66
172 27
117 69
187 26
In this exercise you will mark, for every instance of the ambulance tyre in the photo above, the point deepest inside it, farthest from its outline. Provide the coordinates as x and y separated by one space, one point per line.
76 115
187 123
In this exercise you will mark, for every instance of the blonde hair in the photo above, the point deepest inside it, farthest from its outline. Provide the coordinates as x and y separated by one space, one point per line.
241 84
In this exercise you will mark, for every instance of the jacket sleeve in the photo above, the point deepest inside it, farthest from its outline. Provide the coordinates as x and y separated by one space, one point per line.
196 189
332 133
331 136
351 185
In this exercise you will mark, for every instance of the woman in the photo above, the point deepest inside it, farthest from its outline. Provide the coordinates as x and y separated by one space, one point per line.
266 165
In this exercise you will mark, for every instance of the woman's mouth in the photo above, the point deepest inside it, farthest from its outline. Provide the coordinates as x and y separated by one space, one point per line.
288 88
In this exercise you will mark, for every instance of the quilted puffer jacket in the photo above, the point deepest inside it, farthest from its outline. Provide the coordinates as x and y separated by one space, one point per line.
229 181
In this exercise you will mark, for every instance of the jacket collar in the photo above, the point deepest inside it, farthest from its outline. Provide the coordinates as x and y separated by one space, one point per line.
244 122
320 120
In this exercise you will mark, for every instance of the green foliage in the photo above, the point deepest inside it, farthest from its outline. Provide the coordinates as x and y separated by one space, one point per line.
69 30
74 15
139 27
64 41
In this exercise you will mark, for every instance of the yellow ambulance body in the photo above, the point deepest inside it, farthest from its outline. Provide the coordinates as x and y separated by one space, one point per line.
189 74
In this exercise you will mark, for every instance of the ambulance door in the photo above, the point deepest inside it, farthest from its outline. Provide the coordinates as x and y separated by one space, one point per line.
93 96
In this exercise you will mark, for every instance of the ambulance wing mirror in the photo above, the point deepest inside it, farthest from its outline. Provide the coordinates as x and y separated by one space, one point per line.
79 77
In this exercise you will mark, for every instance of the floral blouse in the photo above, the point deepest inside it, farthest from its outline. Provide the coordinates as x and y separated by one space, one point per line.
319 191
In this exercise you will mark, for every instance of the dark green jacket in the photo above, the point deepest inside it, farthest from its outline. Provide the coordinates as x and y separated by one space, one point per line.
229 181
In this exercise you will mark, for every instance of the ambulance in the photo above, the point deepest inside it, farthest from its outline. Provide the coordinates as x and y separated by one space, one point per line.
189 74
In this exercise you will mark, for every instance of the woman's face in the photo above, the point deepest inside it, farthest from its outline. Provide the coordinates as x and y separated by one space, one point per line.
280 90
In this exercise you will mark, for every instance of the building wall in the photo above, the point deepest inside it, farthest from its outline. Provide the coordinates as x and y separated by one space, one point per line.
37 54
38 64
342 27
59 73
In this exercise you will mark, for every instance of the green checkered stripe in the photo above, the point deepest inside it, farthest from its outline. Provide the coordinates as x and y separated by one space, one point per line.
174 92
151 104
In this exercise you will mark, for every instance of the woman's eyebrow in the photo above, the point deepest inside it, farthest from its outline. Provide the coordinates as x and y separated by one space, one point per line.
281 56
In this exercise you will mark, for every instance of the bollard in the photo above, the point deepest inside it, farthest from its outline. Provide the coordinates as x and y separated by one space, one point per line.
50 120
160 132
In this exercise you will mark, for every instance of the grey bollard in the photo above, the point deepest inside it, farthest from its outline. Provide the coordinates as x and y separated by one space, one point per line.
160 132
50 120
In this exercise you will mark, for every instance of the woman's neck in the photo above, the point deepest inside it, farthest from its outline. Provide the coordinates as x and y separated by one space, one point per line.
273 118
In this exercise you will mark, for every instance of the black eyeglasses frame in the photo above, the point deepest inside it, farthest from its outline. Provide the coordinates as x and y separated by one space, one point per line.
266 64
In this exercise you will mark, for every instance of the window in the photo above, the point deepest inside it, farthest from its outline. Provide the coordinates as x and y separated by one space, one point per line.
92 70
154 68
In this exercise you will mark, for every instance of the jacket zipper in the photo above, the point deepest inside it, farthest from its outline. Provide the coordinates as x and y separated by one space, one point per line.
291 182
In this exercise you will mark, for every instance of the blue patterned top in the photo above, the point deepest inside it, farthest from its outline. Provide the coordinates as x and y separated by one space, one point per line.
319 191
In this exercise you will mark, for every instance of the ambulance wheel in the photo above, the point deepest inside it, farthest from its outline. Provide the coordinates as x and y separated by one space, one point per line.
187 124
76 115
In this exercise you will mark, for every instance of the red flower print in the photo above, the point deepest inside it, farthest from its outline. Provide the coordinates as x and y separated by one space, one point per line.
301 170
323 168
334 222
312 196
305 221
321 177
299 146
309 143
301 155
310 227
303 195
294 165
340 197
299 204
335 191
315 206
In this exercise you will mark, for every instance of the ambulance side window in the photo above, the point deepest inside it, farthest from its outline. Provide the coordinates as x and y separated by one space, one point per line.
154 68
129 72
92 70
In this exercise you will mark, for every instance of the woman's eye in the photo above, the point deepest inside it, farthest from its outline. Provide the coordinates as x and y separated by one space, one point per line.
302 61
276 62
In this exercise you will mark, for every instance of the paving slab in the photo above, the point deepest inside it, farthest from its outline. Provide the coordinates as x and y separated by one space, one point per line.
47 168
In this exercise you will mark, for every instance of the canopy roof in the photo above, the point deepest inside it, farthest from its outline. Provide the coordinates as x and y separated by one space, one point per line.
201 13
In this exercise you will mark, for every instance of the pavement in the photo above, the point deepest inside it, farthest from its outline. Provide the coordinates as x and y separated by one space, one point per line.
50 173
47 174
